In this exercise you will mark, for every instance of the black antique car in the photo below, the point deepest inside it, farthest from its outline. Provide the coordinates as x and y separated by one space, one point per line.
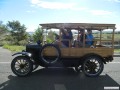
90 59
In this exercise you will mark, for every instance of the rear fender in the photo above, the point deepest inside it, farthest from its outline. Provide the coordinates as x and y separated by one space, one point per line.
93 54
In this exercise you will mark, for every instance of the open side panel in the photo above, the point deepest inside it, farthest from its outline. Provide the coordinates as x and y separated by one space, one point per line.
79 52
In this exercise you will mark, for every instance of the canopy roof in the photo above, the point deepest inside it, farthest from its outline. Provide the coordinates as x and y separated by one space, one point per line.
93 26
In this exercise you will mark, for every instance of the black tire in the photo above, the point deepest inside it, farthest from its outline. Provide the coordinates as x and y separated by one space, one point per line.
21 66
92 66
49 60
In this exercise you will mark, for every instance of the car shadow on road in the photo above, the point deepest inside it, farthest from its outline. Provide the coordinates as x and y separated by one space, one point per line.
57 79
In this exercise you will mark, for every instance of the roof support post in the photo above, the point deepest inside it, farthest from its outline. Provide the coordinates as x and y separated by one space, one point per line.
60 39
84 39
113 38
100 36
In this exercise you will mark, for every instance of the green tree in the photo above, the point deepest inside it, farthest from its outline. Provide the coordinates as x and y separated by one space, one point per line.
38 35
3 33
3 29
17 31
50 36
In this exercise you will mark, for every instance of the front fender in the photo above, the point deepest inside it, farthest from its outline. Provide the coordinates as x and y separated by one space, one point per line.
23 53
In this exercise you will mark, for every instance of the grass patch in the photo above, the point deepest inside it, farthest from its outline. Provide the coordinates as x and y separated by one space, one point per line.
117 50
14 48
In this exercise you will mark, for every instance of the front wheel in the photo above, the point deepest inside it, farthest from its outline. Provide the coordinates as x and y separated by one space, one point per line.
92 66
21 66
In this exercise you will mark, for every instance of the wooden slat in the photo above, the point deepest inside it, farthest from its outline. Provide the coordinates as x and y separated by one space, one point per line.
78 52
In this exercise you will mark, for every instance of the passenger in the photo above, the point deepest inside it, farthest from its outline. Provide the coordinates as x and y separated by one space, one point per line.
67 37
81 37
89 37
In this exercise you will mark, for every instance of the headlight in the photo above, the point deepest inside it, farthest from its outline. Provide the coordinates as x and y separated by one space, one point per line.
29 54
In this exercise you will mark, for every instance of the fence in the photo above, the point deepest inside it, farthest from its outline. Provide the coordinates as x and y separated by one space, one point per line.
116 44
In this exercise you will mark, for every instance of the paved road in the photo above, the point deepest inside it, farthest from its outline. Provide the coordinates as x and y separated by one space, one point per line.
57 79
5 55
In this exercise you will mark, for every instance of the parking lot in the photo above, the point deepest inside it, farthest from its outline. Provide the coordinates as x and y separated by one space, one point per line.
57 78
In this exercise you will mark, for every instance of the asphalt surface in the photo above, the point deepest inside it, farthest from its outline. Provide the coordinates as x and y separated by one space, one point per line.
57 78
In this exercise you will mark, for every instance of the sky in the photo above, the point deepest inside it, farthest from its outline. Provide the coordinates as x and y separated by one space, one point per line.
34 12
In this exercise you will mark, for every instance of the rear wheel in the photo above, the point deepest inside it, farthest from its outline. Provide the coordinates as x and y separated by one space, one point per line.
50 54
21 66
92 66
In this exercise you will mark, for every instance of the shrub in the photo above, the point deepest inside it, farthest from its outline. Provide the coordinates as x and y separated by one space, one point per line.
4 43
49 40
23 42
